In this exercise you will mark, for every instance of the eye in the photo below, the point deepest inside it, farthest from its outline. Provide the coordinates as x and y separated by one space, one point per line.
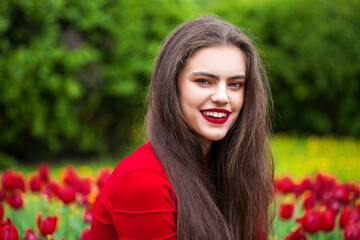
203 81
236 84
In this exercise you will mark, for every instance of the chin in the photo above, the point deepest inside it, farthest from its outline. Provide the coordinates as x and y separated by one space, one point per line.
217 137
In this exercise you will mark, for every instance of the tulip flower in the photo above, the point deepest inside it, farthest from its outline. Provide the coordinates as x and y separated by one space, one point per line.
83 186
327 220
35 183
104 176
8 179
8 231
310 221
305 184
46 225
344 217
323 184
88 215
309 201
19 181
334 205
14 199
286 210
342 194
30 234
70 176
44 172
352 231
85 234
66 194
52 188
354 189
286 185
296 234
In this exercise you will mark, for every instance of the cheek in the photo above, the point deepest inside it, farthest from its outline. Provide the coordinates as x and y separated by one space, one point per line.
238 101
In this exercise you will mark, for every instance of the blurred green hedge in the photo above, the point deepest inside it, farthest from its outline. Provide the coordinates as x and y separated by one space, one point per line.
74 74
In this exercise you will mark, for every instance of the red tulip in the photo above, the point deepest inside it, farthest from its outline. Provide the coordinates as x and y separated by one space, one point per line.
327 220
44 171
83 186
334 205
286 210
310 221
103 177
286 185
46 225
66 194
354 215
14 199
344 217
52 188
70 176
352 231
323 184
342 194
1 211
296 234
30 234
8 231
349 215
88 215
8 179
309 201
354 189
85 234
35 183
19 181
306 184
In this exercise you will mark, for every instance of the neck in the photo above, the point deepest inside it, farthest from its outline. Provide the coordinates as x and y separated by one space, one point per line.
205 145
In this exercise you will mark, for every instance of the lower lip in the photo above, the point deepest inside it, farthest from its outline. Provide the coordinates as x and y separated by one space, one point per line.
216 120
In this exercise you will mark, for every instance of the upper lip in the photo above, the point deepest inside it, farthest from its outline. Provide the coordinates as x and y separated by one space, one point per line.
215 110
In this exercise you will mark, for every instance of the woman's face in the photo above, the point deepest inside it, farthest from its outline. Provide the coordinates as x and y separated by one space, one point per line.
211 88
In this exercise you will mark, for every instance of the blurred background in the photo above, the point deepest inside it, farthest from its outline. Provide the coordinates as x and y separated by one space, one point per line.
74 76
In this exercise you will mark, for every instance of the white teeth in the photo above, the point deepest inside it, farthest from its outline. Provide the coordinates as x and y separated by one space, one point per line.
215 114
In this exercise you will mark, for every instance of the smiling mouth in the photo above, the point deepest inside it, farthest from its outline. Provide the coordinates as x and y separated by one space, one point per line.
217 116
214 114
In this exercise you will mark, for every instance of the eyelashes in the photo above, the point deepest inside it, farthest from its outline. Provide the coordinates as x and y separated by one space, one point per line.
234 84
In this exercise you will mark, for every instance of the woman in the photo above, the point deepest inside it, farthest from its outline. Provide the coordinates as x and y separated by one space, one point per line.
207 172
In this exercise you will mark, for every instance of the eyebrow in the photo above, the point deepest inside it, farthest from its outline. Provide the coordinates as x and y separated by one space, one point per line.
240 76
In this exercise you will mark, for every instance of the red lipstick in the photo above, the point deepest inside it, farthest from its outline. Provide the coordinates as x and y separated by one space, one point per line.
215 120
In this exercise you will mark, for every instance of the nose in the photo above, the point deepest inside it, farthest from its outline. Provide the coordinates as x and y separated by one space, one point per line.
220 95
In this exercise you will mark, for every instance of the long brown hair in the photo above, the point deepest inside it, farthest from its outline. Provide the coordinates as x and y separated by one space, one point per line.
233 202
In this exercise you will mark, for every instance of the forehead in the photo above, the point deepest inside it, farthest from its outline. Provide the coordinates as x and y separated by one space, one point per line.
220 60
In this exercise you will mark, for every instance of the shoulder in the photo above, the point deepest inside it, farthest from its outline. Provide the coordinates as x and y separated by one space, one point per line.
144 190
140 174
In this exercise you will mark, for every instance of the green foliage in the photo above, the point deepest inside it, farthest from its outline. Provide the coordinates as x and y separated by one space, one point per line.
313 53
73 74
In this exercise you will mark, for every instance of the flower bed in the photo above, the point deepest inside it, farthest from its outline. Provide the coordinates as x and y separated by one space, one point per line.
41 207
317 208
